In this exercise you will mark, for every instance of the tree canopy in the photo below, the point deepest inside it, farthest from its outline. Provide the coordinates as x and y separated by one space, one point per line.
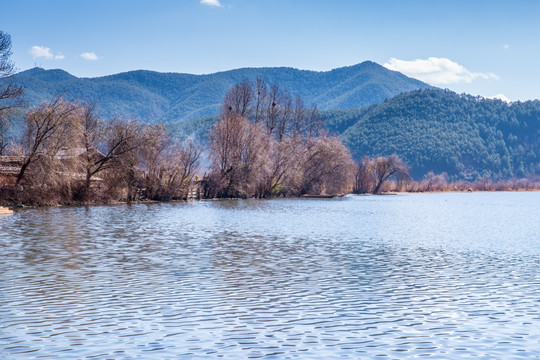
466 136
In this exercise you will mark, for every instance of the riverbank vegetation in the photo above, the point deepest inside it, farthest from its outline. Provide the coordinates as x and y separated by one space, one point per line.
468 137
68 155
364 183
265 143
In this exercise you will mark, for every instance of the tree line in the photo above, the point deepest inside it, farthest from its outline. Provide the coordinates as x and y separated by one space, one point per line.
468 137
69 155
266 143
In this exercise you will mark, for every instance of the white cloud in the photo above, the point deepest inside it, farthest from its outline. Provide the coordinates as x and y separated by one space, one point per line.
44 52
41 52
437 71
500 97
89 56
506 47
211 3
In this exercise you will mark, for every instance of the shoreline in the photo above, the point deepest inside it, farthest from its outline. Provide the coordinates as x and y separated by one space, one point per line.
18 207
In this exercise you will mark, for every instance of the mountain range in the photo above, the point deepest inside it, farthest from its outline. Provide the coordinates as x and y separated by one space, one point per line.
169 97
468 137
374 110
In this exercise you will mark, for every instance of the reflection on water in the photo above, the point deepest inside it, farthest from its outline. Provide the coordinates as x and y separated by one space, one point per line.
438 275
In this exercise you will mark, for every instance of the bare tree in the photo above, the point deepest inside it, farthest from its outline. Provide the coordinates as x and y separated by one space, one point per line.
185 162
286 111
298 117
154 161
364 178
314 125
327 166
124 141
239 151
433 182
47 131
260 99
4 126
10 93
169 167
386 167
109 145
285 172
239 99
280 113
271 114
90 131
283 150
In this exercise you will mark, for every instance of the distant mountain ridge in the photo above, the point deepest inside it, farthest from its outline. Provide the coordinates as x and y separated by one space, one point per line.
168 97
468 137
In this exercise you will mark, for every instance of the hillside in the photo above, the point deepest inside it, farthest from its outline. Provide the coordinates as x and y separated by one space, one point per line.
166 97
435 130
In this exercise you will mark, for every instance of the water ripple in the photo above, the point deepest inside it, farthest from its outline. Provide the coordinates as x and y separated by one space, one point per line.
351 278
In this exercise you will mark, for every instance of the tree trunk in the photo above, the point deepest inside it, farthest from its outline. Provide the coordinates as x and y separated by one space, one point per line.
87 185
21 173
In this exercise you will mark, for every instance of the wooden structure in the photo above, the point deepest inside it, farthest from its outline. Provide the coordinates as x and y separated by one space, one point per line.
9 169
194 191
5 211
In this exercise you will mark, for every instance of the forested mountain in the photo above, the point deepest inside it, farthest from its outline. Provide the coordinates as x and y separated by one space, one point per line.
436 130
465 136
165 97
432 130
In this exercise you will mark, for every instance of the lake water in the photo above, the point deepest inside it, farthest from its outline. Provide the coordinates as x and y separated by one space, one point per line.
442 276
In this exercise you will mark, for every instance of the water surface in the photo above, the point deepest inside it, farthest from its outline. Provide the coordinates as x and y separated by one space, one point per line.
423 275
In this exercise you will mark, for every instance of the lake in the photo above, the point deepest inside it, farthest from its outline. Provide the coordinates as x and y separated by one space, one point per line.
443 276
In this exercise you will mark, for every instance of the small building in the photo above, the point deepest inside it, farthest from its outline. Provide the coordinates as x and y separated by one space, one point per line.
10 166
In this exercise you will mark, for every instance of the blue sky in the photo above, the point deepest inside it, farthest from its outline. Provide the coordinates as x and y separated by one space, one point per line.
479 47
